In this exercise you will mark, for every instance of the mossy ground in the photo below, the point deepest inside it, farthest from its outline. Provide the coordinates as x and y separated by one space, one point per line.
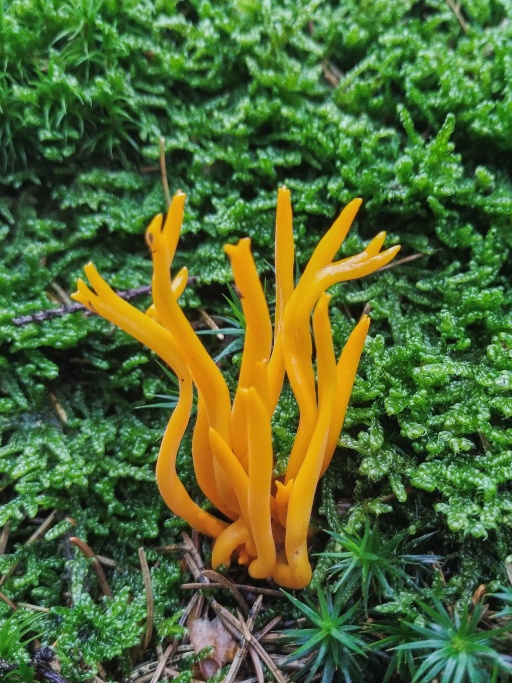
406 104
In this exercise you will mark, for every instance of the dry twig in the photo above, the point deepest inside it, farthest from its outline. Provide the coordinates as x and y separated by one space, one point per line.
4 538
226 583
242 650
400 262
455 8
48 313
59 410
331 73
210 322
162 664
240 586
150 606
268 627
170 652
34 608
8 601
62 294
106 561
237 627
234 626
163 172
40 531
88 552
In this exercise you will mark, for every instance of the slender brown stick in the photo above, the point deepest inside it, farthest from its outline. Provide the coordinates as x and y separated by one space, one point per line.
248 634
48 313
479 595
210 322
161 664
8 601
163 171
42 528
106 561
194 555
170 675
242 649
258 668
34 608
366 310
4 538
240 586
101 672
150 607
400 262
331 73
59 410
268 627
232 624
174 548
88 552
458 14
172 647
226 583
62 294
40 531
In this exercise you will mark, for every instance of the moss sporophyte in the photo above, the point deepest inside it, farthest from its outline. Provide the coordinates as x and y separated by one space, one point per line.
265 522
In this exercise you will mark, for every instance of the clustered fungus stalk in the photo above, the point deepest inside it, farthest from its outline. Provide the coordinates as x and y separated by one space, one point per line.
266 518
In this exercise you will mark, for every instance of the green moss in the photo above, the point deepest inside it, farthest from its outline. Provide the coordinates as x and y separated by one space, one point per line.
94 632
395 102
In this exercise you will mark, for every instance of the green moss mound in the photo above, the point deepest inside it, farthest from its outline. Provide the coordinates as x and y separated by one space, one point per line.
405 104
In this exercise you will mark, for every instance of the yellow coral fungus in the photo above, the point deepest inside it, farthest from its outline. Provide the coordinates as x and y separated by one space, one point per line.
266 519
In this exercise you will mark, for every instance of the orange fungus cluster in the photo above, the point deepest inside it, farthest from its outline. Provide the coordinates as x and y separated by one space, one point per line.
264 519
